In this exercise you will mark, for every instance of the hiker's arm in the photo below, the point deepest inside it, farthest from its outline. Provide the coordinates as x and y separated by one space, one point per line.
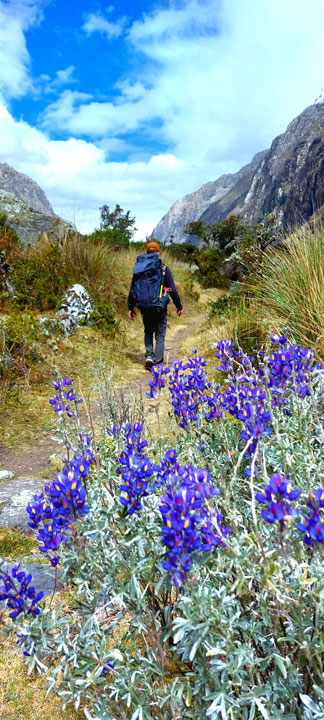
169 282
131 301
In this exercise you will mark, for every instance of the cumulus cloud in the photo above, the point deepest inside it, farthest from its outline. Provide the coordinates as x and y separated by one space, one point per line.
97 23
78 178
222 78
16 17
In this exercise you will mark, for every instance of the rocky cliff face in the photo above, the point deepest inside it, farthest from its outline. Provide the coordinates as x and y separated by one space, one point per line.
231 202
189 208
286 181
29 224
290 179
192 206
25 189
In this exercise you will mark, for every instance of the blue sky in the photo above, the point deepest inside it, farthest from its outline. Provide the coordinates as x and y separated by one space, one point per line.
141 103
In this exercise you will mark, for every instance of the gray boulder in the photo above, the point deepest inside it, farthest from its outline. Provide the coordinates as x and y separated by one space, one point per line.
43 577
14 498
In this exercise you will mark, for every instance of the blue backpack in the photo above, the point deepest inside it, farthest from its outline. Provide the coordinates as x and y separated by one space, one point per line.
147 287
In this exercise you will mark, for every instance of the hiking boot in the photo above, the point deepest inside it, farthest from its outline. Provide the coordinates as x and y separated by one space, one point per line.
149 362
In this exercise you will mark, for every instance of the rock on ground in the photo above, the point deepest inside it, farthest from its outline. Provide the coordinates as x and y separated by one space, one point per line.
16 495
6 475
76 308
43 577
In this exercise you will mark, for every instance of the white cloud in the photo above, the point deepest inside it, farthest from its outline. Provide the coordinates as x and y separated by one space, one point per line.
16 16
54 85
63 77
222 78
78 178
98 23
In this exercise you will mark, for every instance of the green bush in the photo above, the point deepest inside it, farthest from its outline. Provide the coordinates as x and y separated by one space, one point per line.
40 275
209 262
222 307
19 333
183 251
113 238
103 315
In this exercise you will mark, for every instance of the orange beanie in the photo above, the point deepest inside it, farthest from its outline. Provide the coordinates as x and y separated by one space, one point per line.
152 246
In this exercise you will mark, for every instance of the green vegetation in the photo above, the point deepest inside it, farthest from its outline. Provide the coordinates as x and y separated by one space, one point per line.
229 250
13 544
286 294
116 228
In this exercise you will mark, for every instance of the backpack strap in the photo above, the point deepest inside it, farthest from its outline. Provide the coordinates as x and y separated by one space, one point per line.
163 275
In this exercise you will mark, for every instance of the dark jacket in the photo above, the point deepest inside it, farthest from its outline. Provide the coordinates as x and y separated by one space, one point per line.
168 282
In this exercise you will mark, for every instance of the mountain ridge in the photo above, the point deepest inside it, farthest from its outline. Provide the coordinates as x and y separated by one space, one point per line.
286 181
25 189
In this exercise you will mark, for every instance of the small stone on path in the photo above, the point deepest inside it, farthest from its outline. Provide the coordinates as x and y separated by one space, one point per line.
6 475
16 495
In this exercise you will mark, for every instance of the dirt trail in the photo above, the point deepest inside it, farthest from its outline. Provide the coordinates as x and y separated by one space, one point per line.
34 461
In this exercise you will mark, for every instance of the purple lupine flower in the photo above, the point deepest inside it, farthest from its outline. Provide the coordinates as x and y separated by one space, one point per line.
158 380
288 370
61 400
135 471
18 592
188 522
224 355
311 527
54 514
188 385
112 431
275 496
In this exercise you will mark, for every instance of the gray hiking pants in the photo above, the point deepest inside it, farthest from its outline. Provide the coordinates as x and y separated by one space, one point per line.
155 322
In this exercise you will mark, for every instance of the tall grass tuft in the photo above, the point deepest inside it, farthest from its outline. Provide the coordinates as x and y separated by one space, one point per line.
288 293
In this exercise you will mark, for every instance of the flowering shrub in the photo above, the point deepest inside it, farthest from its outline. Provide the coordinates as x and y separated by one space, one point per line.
197 567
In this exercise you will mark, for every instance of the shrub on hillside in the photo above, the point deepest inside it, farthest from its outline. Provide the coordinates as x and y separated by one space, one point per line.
208 274
231 240
183 251
19 333
103 315
114 239
39 276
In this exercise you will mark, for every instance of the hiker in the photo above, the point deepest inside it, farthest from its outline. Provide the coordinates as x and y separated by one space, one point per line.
151 284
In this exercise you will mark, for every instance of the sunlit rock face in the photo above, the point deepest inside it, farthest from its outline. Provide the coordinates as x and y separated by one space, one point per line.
290 180
30 224
286 181
24 189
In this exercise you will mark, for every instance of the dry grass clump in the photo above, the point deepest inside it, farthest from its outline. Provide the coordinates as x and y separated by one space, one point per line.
23 696
287 294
